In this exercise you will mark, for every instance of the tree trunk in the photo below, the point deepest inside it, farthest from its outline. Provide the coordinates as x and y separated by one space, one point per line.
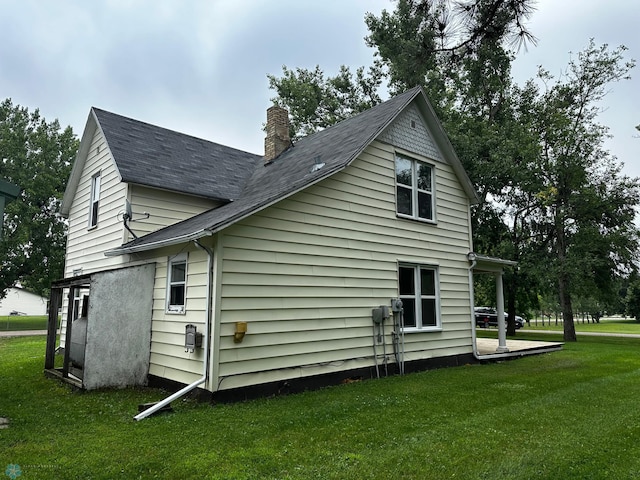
567 311
564 282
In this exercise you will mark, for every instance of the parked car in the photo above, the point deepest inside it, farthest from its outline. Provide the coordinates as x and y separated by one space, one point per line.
487 317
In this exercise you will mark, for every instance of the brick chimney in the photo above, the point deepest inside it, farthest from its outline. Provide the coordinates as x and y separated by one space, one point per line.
277 139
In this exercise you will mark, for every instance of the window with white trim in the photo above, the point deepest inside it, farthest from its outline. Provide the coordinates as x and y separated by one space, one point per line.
414 189
177 283
418 290
94 201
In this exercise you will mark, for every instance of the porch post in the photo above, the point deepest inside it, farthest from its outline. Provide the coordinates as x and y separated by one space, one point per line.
502 334
67 335
52 324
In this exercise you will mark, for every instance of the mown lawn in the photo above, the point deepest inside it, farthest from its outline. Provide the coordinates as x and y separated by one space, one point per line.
19 322
565 415
606 325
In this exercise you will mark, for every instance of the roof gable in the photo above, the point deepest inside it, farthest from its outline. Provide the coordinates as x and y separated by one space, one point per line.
152 156
408 131
335 148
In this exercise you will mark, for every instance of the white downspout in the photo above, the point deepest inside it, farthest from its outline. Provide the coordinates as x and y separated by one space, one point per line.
472 257
207 336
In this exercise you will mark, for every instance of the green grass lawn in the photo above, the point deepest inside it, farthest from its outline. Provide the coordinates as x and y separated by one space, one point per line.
19 322
571 414
606 325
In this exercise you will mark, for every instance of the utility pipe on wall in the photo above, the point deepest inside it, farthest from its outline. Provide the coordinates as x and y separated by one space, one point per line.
207 336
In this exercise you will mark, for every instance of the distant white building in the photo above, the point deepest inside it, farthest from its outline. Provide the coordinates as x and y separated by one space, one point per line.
23 302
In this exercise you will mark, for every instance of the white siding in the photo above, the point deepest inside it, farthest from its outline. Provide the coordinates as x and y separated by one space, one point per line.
164 208
306 273
168 356
85 246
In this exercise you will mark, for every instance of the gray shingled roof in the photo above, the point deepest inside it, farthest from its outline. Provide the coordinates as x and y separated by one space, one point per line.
336 147
157 157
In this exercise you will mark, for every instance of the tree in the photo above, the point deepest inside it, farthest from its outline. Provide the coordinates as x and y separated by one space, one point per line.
426 42
315 102
420 43
585 206
37 156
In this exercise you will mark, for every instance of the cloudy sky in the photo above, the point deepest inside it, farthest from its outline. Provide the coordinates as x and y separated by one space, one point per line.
200 66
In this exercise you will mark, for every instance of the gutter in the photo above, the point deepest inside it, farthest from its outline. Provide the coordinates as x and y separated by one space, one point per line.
207 337
194 236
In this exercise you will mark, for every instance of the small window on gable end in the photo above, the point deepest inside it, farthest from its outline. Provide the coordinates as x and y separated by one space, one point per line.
414 189
177 283
94 201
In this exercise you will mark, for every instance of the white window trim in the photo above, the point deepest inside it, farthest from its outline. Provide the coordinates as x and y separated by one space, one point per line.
94 199
417 297
414 188
176 309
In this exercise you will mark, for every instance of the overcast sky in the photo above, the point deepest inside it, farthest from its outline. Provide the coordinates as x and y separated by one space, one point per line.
200 66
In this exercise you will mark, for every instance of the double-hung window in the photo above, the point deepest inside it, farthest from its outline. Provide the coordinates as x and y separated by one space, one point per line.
177 284
418 289
414 189
94 200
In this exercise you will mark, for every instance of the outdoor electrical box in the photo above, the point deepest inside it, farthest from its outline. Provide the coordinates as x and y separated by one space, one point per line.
192 338
396 305
380 314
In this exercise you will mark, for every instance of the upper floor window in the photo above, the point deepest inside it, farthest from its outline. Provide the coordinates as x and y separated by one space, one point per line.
418 289
95 200
177 284
414 189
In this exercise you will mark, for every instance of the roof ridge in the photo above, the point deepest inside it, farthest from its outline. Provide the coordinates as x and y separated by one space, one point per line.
169 130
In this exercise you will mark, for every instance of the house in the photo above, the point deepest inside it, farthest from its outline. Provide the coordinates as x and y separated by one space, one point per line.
19 301
244 274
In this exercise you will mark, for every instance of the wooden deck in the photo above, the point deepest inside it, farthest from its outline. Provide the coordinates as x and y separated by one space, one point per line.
517 348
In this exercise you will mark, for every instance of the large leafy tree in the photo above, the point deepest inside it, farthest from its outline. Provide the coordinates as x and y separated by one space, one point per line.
316 102
37 156
431 42
585 209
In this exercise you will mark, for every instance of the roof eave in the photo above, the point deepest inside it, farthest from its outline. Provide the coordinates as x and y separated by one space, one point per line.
78 164
159 244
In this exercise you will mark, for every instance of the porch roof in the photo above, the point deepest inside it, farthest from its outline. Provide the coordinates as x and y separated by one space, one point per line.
486 264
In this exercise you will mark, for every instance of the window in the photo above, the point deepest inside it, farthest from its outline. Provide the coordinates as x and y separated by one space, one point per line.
176 283
94 201
418 292
414 189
